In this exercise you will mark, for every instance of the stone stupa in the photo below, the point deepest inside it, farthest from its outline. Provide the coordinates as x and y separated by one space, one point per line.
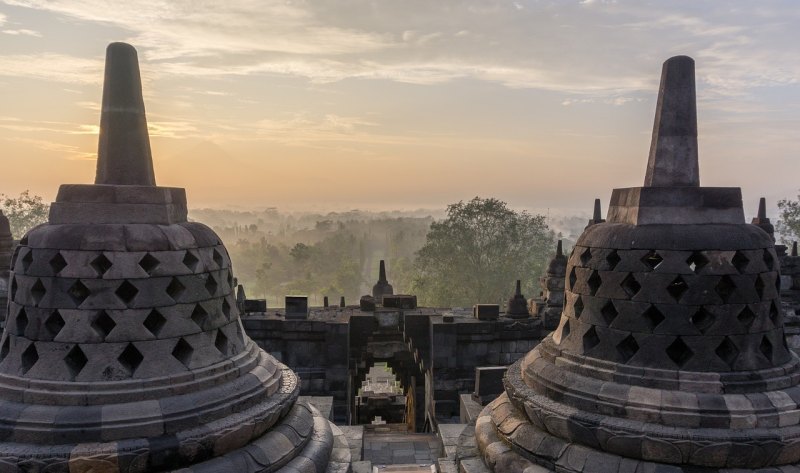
670 355
382 287
517 305
123 350
6 252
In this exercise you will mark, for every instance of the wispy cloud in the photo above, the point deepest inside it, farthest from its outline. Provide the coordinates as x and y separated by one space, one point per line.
53 67
64 150
23 32
592 48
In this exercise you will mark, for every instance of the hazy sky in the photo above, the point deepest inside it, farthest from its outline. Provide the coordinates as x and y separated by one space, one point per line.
402 104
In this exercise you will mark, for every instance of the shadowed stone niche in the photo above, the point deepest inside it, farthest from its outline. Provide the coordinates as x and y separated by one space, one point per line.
123 350
670 355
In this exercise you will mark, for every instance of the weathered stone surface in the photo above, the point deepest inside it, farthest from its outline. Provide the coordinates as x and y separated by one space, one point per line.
296 307
549 305
125 350
486 311
761 220
123 154
597 214
400 301
676 205
673 150
671 352
382 287
517 306
6 252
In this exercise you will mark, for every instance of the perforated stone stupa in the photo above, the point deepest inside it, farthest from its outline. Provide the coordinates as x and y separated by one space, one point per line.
123 349
670 354
6 251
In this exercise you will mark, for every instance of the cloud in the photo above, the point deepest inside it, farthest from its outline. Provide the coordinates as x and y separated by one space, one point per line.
576 49
53 67
28 126
67 151
23 32
178 28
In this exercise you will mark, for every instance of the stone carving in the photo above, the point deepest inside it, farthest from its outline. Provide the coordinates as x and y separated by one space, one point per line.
124 350
670 354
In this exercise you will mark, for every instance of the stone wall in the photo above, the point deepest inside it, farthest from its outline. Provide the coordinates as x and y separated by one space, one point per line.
332 350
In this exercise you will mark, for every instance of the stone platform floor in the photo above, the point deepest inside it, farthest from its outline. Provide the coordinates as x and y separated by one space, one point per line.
396 448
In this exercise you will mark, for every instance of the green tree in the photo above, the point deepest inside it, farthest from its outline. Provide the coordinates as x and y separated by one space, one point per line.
24 212
477 252
788 224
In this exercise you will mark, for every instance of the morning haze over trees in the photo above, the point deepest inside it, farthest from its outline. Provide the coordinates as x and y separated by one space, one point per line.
789 220
471 252
23 212
474 248
478 247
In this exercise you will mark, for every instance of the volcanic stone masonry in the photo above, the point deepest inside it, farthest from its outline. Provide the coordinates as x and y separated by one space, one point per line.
123 350
670 355
382 287
548 307
6 251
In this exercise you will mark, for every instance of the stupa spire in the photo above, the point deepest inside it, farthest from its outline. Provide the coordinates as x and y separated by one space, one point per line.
382 272
123 153
762 208
597 216
673 149
559 249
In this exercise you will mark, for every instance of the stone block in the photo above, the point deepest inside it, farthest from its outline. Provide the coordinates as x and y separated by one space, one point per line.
486 311
676 205
296 307
255 306
488 383
400 301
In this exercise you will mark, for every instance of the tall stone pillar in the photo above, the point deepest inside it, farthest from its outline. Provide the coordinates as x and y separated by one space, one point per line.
670 355
123 350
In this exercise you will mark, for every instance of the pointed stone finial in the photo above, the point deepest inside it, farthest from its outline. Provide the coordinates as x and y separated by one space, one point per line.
559 249
123 153
382 272
325 301
382 287
673 149
517 305
341 302
598 213
761 219
794 248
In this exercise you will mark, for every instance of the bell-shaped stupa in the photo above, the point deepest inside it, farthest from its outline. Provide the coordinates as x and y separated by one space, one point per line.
6 251
123 350
670 354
